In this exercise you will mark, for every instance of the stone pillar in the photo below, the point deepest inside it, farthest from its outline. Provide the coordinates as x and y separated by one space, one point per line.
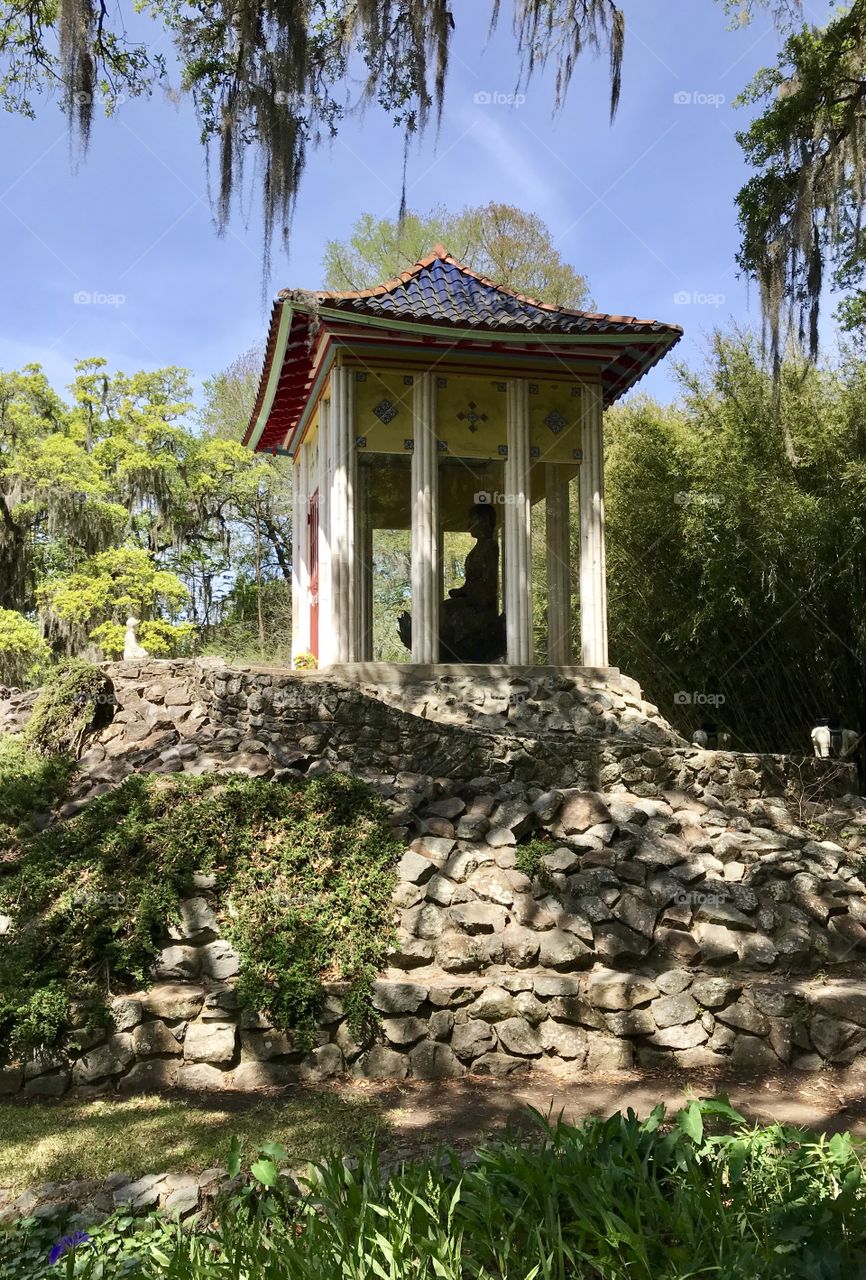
364 565
343 468
558 565
323 483
593 581
425 522
518 561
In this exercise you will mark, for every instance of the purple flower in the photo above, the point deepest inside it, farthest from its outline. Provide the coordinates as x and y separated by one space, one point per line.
65 1244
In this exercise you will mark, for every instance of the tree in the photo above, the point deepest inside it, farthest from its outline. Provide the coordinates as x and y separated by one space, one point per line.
111 503
274 76
803 208
24 655
92 603
512 247
256 490
733 575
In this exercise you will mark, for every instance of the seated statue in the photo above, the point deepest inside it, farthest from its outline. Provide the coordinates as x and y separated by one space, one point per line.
471 628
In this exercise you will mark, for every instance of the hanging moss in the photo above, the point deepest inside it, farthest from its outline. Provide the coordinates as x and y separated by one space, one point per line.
66 708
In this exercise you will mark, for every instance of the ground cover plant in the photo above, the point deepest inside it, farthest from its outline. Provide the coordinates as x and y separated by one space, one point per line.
304 874
622 1199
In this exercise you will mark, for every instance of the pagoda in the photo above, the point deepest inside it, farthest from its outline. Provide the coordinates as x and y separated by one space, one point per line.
415 404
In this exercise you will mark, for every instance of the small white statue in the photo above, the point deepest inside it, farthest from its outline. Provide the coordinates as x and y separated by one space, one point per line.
700 738
131 648
724 740
821 741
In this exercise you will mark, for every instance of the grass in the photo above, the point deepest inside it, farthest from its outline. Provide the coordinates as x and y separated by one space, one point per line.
53 1142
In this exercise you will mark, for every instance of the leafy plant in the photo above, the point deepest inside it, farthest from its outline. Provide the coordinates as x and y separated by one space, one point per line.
30 785
65 708
24 655
702 1195
304 872
528 859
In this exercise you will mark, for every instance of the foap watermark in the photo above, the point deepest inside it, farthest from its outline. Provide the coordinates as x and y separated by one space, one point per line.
694 698
694 298
698 98
95 298
105 97
296 100
695 898
493 498
100 699
688 498
496 98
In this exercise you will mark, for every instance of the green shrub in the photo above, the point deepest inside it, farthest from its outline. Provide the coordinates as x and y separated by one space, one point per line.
304 872
24 655
528 859
65 708
615 1199
30 784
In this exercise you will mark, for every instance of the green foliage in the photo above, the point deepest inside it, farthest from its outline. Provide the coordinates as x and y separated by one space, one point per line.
65 708
30 785
279 79
500 241
24 655
802 210
304 872
623 1198
112 585
729 568
111 504
528 859
161 639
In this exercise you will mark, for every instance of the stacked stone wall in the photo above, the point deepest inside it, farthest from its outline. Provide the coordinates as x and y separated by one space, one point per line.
679 911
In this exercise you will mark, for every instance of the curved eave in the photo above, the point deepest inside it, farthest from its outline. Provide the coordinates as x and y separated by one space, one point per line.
287 377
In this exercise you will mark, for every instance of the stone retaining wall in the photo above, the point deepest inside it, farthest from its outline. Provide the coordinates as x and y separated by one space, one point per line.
678 913
191 1037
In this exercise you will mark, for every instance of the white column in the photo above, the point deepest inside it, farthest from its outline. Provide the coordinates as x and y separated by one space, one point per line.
342 541
326 634
364 564
425 522
299 528
593 581
558 565
518 560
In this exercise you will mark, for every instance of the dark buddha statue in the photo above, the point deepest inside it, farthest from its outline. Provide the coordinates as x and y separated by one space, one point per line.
471 628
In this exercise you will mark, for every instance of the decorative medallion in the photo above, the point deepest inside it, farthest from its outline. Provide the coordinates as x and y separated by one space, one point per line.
534 451
408 445
407 379
576 389
471 416
361 442
442 446
385 411
577 454
360 377
503 450
500 386
555 421
533 388
441 382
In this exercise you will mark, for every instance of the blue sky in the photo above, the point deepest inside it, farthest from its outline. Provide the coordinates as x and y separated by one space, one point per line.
645 208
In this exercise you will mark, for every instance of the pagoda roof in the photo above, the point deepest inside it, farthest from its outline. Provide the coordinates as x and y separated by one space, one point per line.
438 293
